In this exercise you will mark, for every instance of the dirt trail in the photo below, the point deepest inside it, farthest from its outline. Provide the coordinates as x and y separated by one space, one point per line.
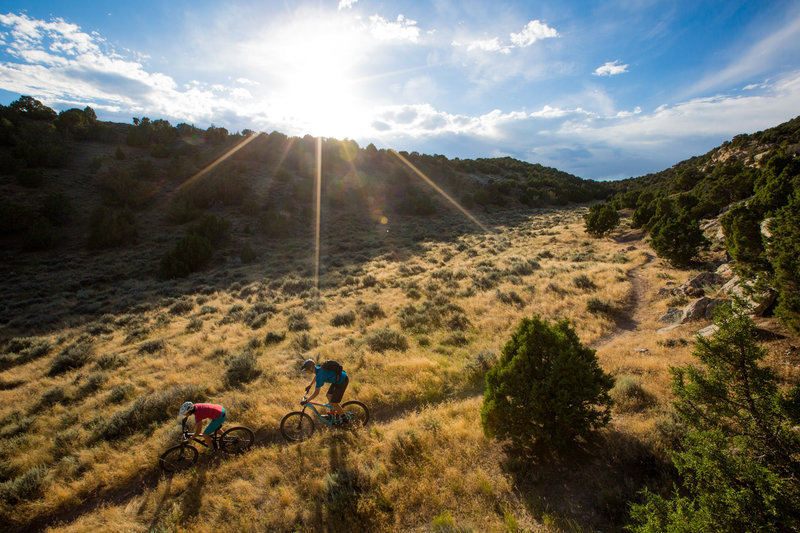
630 320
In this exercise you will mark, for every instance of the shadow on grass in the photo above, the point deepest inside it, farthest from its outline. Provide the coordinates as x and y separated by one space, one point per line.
589 487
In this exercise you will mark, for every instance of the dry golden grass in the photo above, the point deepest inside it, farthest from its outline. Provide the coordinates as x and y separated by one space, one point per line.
422 465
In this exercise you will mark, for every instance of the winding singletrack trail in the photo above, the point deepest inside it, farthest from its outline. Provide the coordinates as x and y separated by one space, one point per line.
629 322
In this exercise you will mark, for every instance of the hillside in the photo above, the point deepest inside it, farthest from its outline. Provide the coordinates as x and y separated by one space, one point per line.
174 273
89 209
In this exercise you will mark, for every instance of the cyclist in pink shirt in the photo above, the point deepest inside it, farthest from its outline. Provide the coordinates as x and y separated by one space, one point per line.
202 411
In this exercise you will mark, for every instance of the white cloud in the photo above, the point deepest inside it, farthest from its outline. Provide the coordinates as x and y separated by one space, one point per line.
485 45
346 4
402 29
611 68
534 31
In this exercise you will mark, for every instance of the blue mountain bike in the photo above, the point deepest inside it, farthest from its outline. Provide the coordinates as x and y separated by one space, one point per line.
298 425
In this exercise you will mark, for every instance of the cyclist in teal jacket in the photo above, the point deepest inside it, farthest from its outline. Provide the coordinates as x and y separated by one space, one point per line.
335 392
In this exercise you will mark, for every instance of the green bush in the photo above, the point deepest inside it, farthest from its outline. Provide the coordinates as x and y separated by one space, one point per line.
147 410
601 219
108 228
57 208
215 230
348 318
547 388
386 339
297 321
190 254
274 338
629 396
784 251
678 240
28 486
74 356
241 368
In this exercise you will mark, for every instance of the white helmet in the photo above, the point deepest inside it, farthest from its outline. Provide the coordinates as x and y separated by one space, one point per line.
185 409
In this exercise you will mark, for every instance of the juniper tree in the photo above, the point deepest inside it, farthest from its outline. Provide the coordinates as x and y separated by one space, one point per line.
547 389
740 457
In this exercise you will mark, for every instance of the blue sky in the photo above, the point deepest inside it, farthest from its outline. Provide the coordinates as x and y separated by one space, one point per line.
599 89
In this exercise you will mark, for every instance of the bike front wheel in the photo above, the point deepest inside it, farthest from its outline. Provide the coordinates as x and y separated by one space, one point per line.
297 426
357 414
178 458
236 440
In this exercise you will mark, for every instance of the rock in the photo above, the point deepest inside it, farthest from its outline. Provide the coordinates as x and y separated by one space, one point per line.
641 350
672 315
708 331
757 303
725 271
668 328
702 309
765 228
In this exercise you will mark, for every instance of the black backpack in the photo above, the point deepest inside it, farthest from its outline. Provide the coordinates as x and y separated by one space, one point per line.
333 366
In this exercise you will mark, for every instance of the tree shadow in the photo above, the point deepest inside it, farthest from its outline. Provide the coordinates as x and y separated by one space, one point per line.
592 484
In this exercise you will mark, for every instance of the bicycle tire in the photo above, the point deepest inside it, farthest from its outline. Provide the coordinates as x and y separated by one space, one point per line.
297 426
359 414
178 458
236 440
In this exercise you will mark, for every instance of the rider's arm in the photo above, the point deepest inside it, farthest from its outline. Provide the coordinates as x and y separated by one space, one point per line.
316 391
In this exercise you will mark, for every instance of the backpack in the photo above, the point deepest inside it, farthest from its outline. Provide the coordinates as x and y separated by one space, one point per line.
333 366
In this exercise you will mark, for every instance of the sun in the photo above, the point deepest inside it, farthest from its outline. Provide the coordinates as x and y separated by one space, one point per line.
314 64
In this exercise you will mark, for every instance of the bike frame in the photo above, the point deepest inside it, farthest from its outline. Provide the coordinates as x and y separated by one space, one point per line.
319 416
190 438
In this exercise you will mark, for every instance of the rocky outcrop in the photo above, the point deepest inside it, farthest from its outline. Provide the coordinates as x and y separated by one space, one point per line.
702 309
694 287
672 315
757 302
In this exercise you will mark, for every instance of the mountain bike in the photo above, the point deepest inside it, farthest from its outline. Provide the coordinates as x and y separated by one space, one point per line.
231 441
298 425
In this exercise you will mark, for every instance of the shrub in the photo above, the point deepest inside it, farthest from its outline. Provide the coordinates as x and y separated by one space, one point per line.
152 346
598 306
386 339
120 393
371 311
510 298
297 321
182 306
546 389
629 395
28 486
274 338
678 240
216 230
147 410
241 369
248 254
108 227
584 283
601 219
74 356
347 318
190 254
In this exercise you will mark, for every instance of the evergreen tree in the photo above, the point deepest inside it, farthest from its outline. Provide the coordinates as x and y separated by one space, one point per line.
601 219
547 389
739 459
678 240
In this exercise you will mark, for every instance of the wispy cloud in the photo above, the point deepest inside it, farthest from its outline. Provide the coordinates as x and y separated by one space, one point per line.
485 45
783 41
346 4
610 68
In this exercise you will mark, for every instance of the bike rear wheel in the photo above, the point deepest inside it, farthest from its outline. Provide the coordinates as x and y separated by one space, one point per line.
297 426
236 440
357 414
178 458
